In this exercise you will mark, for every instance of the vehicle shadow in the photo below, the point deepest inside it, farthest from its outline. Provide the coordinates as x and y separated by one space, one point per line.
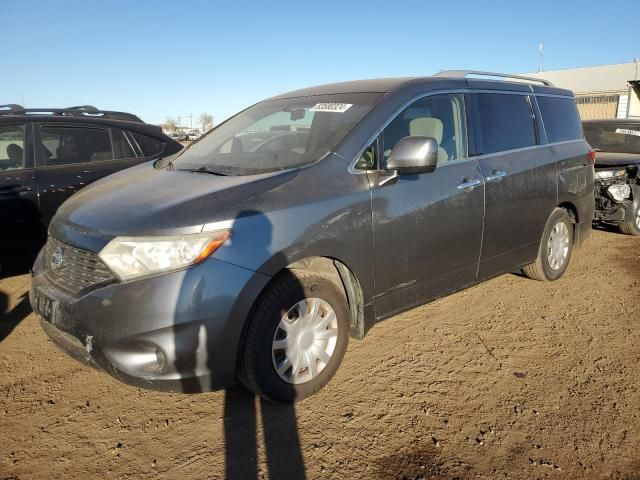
11 317
16 267
605 227
244 412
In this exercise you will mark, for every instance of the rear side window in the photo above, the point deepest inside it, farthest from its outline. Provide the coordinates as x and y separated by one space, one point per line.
149 145
504 122
561 119
68 145
12 147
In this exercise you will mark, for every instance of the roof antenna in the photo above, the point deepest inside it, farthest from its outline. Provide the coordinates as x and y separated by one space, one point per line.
541 64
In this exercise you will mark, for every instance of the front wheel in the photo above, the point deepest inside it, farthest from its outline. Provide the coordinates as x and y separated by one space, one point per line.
555 249
296 339
632 225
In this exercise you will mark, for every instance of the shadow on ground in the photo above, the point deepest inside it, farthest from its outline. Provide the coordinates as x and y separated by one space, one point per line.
11 317
280 432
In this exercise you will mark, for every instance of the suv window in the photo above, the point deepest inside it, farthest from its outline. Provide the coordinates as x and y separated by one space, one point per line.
12 147
66 145
561 119
149 145
439 116
504 122
122 147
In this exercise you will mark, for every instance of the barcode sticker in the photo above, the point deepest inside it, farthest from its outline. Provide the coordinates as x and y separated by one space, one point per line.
626 131
331 107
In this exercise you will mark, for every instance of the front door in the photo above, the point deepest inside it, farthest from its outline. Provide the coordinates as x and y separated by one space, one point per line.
428 227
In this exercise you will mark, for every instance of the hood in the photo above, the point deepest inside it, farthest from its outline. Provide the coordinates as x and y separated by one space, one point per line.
608 159
144 200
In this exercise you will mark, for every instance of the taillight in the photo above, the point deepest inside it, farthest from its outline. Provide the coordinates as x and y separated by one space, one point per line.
592 155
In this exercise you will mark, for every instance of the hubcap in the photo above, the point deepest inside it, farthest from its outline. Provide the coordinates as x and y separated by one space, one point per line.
558 246
304 340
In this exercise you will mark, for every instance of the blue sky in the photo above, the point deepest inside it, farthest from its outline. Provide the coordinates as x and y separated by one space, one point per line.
170 58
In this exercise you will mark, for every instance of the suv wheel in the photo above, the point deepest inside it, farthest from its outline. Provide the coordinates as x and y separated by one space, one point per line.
632 226
296 339
555 249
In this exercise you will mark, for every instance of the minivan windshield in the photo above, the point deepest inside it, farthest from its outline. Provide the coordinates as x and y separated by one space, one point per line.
614 138
277 134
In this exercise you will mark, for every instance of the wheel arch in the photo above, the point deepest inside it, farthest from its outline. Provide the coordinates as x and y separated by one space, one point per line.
572 211
335 271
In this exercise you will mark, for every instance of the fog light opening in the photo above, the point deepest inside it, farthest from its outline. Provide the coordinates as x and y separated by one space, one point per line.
137 358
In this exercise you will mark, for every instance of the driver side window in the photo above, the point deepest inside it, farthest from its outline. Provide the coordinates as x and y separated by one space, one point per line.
441 117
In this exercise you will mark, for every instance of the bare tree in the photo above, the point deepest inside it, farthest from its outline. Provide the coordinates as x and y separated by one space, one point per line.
206 120
170 125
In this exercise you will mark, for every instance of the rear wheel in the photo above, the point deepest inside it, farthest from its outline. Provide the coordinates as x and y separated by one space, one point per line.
555 249
296 339
632 225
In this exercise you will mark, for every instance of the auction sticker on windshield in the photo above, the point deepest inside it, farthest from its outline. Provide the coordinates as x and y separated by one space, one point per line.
331 107
626 131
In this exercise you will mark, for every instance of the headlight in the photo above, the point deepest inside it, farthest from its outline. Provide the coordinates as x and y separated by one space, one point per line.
610 173
131 257
619 192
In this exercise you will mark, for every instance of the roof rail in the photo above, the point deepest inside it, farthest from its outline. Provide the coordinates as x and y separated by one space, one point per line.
76 111
11 108
466 73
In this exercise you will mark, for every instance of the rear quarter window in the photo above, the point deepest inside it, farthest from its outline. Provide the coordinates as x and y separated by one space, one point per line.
561 119
504 122
149 145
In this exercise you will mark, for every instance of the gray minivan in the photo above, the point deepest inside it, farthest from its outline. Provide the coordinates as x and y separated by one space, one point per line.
255 253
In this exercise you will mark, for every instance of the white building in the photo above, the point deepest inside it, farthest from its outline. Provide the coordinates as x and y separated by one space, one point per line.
603 91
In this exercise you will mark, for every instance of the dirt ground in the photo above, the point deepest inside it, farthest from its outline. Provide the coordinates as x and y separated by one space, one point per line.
510 379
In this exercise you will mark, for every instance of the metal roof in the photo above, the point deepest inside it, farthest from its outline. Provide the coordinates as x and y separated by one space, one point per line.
601 78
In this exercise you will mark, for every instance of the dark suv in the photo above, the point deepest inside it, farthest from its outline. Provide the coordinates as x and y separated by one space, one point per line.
617 143
48 154
305 219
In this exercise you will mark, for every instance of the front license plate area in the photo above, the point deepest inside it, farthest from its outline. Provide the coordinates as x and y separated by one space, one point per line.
48 308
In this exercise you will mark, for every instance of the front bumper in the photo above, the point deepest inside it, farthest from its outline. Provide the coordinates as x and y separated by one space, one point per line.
174 332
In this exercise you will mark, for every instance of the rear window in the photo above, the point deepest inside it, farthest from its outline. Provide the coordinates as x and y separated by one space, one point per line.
504 122
561 119
614 138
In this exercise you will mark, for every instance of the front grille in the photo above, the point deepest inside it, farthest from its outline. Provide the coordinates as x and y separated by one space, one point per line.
74 270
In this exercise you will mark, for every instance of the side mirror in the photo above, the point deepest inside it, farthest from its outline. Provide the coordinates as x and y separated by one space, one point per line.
413 155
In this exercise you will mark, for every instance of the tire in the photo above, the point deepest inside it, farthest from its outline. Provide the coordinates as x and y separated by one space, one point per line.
287 296
632 226
545 268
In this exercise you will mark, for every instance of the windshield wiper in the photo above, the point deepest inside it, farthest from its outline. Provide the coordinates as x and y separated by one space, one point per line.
208 170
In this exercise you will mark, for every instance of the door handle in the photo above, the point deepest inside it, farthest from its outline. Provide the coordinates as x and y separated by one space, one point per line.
469 185
496 175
